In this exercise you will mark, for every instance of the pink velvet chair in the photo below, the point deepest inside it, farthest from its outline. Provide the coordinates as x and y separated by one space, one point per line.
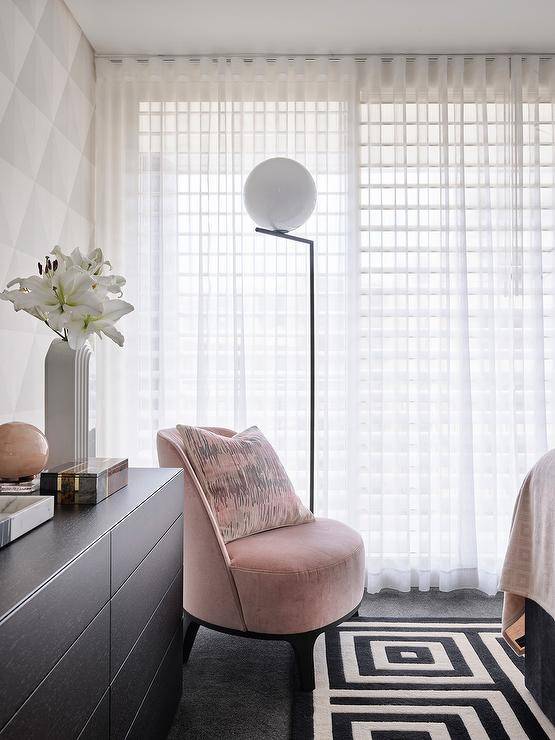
287 584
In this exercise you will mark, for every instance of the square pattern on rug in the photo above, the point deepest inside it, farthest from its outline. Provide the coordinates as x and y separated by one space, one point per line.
425 679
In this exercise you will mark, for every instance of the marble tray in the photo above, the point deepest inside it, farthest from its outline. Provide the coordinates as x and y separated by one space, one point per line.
20 514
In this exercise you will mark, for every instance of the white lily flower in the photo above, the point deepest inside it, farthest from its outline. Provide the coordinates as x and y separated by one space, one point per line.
79 324
70 295
109 284
64 260
97 262
33 292
54 292
74 287
17 298
93 262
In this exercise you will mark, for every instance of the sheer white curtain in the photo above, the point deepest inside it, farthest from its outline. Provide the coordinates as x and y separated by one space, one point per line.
434 236
220 331
456 293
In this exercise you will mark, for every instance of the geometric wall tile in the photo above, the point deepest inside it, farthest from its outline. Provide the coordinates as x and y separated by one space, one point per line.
6 89
15 192
42 78
24 131
35 232
32 10
74 114
76 231
88 147
15 263
80 69
58 179
33 376
6 263
61 33
16 35
17 344
52 213
47 82
81 197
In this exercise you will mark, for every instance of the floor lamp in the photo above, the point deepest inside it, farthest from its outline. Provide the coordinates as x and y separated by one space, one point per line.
279 196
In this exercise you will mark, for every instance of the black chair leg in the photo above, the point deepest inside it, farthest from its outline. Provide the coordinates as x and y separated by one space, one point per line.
303 645
190 629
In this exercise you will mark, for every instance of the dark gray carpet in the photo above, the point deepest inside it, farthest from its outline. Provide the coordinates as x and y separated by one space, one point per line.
243 689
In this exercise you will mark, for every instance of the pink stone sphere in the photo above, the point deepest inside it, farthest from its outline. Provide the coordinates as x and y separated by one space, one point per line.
23 450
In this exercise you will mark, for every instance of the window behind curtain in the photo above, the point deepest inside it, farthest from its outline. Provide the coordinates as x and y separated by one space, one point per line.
233 350
456 321
434 241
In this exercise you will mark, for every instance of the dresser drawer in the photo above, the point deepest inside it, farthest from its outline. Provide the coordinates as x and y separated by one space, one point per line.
137 673
42 629
64 701
137 534
134 603
98 724
155 716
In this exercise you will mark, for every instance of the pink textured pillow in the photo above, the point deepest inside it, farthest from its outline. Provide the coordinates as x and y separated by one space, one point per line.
244 481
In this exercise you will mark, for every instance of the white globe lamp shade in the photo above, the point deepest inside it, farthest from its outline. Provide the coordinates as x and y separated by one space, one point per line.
279 194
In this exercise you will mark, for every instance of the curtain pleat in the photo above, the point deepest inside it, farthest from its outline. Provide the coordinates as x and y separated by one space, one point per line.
435 293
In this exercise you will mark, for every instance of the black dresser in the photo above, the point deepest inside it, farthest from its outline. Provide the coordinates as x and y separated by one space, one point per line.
91 617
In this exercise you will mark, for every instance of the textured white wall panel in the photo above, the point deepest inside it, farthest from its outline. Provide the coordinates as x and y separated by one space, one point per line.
46 174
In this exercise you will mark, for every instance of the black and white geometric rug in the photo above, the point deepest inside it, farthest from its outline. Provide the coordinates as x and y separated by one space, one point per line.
423 679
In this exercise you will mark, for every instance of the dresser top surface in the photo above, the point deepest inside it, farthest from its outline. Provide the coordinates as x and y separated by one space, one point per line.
36 557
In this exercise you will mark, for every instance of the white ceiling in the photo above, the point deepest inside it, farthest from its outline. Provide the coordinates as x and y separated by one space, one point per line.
316 26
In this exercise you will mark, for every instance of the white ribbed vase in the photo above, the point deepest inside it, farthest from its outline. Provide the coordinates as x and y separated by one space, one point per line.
69 402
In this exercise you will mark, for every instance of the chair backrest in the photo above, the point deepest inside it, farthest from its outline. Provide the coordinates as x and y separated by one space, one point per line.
209 591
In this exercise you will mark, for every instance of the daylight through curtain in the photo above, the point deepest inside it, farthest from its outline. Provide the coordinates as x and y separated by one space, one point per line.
434 239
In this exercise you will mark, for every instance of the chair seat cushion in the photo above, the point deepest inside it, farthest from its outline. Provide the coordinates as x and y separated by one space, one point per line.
297 579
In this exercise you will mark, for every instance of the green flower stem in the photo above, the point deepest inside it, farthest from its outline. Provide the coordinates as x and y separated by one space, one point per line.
56 331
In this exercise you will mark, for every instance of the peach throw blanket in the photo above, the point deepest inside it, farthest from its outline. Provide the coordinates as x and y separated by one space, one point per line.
529 567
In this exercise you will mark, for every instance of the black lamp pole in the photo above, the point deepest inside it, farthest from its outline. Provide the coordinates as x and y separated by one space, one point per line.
286 235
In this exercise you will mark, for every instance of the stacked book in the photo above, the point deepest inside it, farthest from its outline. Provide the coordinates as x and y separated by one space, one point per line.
19 488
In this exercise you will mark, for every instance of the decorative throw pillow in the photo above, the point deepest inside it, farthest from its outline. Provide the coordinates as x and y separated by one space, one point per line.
244 481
